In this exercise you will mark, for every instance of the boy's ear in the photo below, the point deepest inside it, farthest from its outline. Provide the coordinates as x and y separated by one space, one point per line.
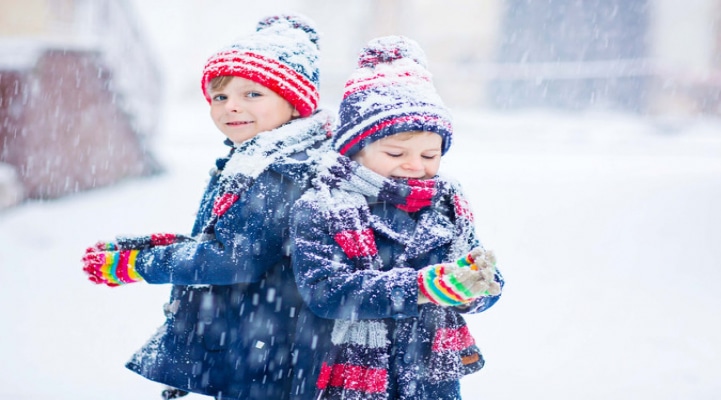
295 113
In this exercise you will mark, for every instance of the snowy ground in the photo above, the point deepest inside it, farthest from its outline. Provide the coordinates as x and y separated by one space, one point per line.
607 228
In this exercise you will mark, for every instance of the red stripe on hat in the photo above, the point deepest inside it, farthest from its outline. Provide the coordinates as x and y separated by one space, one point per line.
375 128
275 77
447 339
353 377
259 61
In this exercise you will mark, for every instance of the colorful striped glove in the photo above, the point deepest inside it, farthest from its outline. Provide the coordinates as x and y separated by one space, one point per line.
454 284
113 263
112 268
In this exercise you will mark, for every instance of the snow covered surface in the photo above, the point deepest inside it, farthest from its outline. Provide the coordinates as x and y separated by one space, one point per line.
18 54
606 226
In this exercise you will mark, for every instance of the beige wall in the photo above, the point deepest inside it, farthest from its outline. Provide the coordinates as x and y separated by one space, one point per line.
35 17
452 33
457 36
685 33
685 40
22 18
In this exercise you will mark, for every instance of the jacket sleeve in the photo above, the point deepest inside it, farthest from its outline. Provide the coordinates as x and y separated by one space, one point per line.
249 239
331 283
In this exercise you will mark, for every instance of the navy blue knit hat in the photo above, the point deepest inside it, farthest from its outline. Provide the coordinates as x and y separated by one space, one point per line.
390 92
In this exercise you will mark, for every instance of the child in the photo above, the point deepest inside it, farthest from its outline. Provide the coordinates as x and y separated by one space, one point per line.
384 250
233 307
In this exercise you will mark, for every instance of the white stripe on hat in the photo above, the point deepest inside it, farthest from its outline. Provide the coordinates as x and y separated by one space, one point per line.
270 69
367 123
385 81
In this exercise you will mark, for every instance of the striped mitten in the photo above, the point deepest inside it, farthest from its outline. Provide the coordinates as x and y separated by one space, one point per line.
112 268
454 284
113 263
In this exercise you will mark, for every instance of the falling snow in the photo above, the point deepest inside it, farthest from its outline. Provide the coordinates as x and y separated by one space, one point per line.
606 227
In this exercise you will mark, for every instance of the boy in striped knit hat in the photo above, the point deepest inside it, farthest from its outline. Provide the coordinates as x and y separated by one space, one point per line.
384 250
232 310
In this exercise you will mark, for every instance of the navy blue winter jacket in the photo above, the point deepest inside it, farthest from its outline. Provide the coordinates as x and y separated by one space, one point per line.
324 278
231 335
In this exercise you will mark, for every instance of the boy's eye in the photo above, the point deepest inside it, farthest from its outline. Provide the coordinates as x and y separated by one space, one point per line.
220 97
394 155
254 94
430 157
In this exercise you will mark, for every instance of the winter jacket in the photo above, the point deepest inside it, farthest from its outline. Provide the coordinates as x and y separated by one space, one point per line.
324 275
233 307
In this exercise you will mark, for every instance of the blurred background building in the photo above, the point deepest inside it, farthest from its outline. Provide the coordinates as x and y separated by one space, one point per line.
82 82
645 56
79 95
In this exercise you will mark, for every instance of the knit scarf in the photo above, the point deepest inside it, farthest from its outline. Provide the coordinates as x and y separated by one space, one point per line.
248 160
357 367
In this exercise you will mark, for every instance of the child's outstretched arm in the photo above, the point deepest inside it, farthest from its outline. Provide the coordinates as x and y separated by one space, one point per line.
248 240
113 263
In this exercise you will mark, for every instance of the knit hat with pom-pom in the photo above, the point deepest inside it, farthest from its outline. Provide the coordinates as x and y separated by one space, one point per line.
282 55
390 92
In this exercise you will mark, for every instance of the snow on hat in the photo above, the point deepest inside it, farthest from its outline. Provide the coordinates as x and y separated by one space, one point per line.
282 55
390 92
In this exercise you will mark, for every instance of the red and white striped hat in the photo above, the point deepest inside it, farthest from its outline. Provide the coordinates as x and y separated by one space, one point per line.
282 55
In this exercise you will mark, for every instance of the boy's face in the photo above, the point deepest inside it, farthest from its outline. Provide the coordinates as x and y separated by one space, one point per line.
409 155
243 109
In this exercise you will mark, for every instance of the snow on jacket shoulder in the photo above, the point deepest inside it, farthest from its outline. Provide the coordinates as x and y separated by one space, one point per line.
246 242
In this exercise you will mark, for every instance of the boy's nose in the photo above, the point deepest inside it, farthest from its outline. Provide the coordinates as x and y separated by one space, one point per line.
233 106
413 164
